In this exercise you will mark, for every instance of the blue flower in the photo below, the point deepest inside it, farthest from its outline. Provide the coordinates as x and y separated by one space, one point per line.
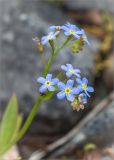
83 86
50 36
47 83
71 29
58 28
70 70
82 98
67 90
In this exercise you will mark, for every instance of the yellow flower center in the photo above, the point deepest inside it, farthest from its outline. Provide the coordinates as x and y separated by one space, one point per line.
71 70
84 86
67 90
47 83
81 97
50 37
72 31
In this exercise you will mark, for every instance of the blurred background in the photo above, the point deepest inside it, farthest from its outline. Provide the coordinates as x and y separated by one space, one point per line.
20 65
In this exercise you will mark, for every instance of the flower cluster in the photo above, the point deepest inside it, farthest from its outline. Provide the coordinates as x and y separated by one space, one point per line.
75 90
68 29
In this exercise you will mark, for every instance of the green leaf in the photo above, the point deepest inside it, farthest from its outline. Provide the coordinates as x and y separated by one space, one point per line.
9 121
19 122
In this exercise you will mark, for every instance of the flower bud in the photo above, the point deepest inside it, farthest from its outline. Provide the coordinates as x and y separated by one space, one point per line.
39 45
76 105
58 28
51 42
77 45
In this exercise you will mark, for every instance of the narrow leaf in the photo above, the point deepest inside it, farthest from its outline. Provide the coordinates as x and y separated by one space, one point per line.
9 121
19 122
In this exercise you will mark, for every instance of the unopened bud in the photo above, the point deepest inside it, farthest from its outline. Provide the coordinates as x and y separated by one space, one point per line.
58 28
51 42
39 44
76 105
77 45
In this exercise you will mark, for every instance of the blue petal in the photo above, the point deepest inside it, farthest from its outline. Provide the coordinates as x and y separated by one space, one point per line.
63 67
69 83
85 81
84 99
68 74
75 90
48 77
78 80
90 89
80 88
64 28
61 95
77 74
52 27
76 36
54 81
42 89
79 32
44 41
67 33
56 33
69 66
41 80
77 70
51 88
61 86
70 97
43 38
86 93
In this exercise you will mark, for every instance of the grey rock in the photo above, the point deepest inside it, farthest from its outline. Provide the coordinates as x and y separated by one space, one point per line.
100 130
106 5
20 64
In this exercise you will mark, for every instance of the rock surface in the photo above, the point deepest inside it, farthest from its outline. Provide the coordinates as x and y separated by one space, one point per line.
106 5
20 63
100 130
108 74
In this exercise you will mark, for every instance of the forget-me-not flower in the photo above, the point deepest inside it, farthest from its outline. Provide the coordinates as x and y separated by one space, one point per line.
58 28
83 86
47 83
71 29
67 90
50 36
82 98
70 70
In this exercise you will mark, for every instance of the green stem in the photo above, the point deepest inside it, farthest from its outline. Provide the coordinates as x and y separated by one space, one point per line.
25 127
30 117
54 54
37 103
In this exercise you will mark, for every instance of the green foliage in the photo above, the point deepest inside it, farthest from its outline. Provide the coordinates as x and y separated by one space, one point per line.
10 123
